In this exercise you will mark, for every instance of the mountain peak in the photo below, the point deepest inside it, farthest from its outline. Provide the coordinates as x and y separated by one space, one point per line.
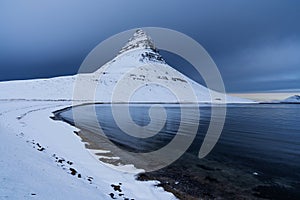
139 40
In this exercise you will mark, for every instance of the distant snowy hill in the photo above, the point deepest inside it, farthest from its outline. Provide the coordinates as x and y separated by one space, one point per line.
59 88
292 99
138 63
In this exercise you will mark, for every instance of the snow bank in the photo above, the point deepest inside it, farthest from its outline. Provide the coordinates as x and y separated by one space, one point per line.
43 158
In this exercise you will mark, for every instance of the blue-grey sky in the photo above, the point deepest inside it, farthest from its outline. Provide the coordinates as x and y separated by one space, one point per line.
255 44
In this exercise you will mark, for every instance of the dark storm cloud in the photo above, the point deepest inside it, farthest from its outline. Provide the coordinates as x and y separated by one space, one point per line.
273 65
255 44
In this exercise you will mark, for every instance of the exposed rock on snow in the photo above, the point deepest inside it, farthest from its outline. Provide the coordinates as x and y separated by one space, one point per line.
43 158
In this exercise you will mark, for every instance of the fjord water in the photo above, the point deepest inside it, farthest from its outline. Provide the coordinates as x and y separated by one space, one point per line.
258 150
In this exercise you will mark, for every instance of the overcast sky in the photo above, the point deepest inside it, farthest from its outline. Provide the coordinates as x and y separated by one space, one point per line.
255 44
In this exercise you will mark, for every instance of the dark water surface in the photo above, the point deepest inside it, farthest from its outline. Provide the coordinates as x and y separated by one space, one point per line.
257 155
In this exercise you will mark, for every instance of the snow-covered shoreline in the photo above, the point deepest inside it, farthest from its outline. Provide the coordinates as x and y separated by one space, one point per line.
43 158
30 140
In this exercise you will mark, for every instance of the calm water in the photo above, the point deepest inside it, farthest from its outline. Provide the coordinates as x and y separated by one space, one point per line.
258 151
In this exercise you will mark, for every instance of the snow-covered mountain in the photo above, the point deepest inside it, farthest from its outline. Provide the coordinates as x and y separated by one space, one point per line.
292 99
138 63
